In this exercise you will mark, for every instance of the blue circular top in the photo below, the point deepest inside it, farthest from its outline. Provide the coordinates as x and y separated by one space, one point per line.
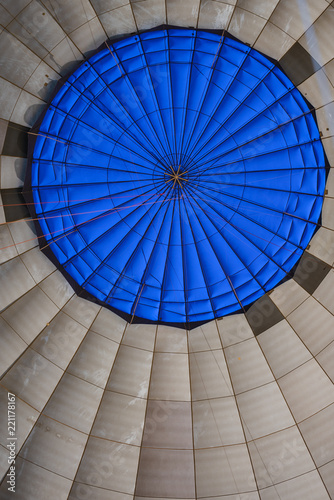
178 175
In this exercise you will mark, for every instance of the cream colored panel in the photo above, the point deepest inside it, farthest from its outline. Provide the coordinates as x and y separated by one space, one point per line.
101 6
94 359
327 475
6 243
183 13
25 419
279 457
141 336
171 339
234 329
55 447
149 13
307 390
64 57
58 289
27 109
247 365
9 95
59 341
295 18
317 89
225 470
89 36
12 169
283 348
12 346
263 411
23 234
306 487
246 26
36 483
84 492
70 16
82 310
38 265
14 281
3 462
131 372
274 42
325 120
109 325
17 62
328 213
216 423
325 359
318 432
322 245
309 318
288 296
109 465
170 377
120 418
33 379
316 40
30 314
204 338
74 403
42 81
215 14
118 21
209 375
259 7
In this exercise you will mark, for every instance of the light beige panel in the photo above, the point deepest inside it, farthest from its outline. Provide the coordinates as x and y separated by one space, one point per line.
25 419
209 375
89 36
307 487
263 411
307 390
216 423
247 365
118 21
258 7
318 432
32 378
29 315
58 289
120 418
55 447
309 318
36 483
316 41
280 457
109 465
82 310
12 346
246 26
215 14
38 265
6 242
82 491
23 234
149 13
171 340
226 469
170 377
184 13
14 281
283 348
109 325
74 403
295 19
288 296
141 336
12 169
317 89
94 359
327 475
325 358
9 95
131 372
204 338
274 41
234 329
322 245
60 339
70 16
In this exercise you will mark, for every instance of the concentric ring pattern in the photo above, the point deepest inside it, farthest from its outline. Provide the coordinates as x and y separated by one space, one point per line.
178 175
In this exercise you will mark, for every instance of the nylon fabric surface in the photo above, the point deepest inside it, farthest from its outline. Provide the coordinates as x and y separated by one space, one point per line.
178 175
